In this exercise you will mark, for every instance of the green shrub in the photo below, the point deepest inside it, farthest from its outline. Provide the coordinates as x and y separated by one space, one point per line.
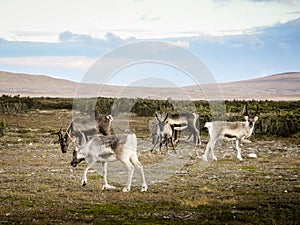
2 127
276 118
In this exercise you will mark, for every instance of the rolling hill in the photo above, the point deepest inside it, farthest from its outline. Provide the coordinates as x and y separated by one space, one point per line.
285 86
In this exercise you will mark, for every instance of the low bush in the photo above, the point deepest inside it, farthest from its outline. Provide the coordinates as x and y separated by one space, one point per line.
276 118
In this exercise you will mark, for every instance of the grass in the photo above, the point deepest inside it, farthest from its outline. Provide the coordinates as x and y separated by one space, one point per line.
37 186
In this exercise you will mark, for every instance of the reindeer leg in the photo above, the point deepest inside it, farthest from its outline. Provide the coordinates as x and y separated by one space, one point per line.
171 140
106 185
154 142
166 140
130 170
137 163
151 150
175 136
237 145
210 146
204 157
189 137
84 178
160 144
213 150
196 137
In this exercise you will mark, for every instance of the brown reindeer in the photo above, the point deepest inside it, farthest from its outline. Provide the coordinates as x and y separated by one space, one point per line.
82 129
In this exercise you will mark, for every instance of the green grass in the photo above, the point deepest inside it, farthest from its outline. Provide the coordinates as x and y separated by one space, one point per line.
250 167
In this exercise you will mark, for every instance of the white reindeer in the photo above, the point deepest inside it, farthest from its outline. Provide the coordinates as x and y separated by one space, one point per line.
229 131
122 147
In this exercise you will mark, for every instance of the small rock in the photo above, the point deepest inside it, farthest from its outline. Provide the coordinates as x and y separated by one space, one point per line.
252 155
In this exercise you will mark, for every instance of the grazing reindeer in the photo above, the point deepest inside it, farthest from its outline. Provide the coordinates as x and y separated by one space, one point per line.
231 131
62 140
82 128
122 147
181 121
162 133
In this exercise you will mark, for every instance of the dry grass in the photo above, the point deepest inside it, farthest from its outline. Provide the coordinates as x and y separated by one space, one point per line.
37 186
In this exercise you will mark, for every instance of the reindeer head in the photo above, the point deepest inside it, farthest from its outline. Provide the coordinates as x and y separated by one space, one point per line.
251 119
161 123
104 124
61 140
75 160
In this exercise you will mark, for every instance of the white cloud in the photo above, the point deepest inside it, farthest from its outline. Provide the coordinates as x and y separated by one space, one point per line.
183 44
73 62
72 68
141 19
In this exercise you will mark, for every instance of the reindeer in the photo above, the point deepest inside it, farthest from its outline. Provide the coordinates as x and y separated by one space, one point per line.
83 128
122 147
229 131
162 133
181 121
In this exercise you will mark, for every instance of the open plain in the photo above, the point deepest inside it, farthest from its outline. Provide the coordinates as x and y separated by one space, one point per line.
39 187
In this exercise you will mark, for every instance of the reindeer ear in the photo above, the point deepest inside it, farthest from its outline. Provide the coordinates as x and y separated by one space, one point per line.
246 118
255 118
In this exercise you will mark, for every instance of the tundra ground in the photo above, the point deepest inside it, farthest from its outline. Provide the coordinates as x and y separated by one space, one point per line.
38 187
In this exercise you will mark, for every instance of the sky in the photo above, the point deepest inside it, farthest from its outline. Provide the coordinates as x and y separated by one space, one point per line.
235 39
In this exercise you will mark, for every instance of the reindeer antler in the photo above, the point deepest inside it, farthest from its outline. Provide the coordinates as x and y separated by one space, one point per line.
256 111
245 110
60 137
166 117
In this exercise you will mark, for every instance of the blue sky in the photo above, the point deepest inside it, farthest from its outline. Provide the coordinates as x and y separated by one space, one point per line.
236 39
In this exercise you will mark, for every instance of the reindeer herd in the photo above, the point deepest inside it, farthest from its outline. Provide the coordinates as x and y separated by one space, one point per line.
83 135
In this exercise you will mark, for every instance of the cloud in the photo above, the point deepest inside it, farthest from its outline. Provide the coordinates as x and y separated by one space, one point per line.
294 12
110 40
70 44
71 62
146 17
181 43
72 68
281 34
230 57
142 19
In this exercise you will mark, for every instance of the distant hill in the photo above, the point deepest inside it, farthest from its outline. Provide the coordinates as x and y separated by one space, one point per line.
35 85
285 86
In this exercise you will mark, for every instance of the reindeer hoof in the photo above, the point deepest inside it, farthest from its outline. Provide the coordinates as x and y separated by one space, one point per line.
84 183
144 188
108 187
126 189
204 157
